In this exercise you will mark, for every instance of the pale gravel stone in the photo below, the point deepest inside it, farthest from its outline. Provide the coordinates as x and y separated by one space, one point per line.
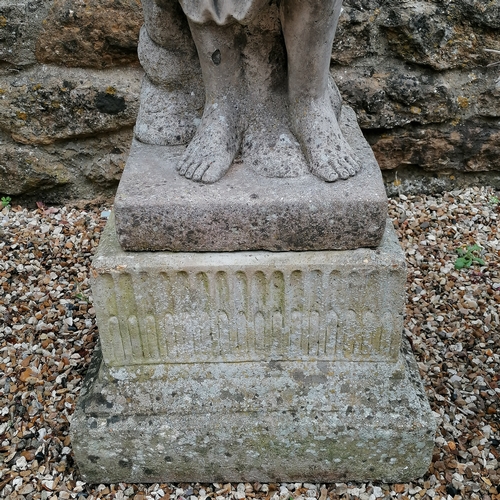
431 343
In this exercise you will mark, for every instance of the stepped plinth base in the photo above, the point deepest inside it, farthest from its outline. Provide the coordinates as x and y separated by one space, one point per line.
251 366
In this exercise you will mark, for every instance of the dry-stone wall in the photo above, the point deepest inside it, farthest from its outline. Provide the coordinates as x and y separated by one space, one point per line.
422 78
420 74
69 87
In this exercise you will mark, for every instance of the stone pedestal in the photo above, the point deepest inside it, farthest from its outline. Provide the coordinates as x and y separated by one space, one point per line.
248 332
251 366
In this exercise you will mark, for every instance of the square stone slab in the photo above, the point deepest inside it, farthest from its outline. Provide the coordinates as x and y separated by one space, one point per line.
157 209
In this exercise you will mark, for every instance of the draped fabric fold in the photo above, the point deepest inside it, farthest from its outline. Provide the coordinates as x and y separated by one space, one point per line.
220 11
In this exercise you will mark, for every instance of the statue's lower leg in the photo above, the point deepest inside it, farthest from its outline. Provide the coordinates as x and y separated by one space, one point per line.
172 92
218 138
309 28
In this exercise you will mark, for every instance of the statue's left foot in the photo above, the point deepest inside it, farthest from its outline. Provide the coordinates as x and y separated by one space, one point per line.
329 155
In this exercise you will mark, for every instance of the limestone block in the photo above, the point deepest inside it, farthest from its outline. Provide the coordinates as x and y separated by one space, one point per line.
20 24
23 170
356 35
466 147
163 307
107 170
95 34
46 104
431 33
157 209
267 421
87 168
440 104
415 32
398 97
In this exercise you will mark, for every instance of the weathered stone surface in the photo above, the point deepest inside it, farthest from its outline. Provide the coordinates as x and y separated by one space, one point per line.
161 13
255 71
435 33
357 33
43 105
466 146
95 34
387 98
374 65
412 179
22 170
378 44
20 24
266 421
173 70
156 209
169 405
157 307
67 170
108 169
167 115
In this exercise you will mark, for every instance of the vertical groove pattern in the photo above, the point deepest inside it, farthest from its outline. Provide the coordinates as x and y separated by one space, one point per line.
180 316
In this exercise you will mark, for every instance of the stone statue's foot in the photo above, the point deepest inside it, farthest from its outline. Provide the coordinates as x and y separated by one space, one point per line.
214 146
327 152
167 117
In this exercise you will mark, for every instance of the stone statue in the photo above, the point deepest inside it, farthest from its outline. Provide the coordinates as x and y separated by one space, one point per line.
268 90
226 312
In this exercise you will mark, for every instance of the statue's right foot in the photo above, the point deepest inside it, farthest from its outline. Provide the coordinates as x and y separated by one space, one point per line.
215 144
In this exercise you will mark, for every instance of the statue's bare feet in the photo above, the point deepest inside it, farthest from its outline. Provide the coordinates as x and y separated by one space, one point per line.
315 125
215 144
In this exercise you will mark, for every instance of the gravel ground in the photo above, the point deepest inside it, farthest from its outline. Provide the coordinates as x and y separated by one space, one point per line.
48 332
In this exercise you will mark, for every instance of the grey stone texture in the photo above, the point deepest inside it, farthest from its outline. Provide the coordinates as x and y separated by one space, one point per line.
68 169
282 422
251 366
20 26
424 89
416 74
156 209
155 307
42 107
65 132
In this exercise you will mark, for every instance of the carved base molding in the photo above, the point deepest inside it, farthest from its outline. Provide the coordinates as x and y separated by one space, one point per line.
168 307
251 366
